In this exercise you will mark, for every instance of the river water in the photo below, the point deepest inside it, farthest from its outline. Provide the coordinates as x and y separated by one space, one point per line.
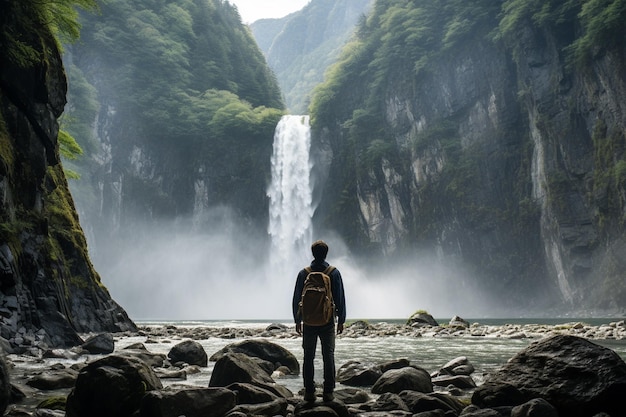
486 353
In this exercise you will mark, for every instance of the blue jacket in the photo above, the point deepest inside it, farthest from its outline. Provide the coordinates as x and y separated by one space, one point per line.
336 287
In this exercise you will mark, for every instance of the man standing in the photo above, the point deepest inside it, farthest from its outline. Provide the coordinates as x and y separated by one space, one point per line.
325 332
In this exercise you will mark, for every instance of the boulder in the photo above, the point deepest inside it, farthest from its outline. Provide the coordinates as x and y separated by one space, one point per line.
358 374
419 402
190 352
54 379
389 402
578 377
263 349
5 386
458 322
154 360
398 380
176 401
474 411
238 367
422 318
111 386
351 395
277 407
459 381
102 343
251 394
537 407
327 409
458 366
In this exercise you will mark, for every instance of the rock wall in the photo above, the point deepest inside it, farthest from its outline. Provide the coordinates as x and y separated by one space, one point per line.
505 165
49 291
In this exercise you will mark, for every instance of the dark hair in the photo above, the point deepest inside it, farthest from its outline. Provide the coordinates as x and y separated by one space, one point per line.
319 249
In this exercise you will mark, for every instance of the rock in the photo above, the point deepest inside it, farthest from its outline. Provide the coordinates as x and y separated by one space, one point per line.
111 386
5 386
262 349
176 401
359 325
419 402
397 380
351 395
238 367
394 364
190 352
458 322
154 360
459 381
458 366
329 409
251 394
421 318
54 379
102 343
389 402
358 374
277 407
576 376
474 411
537 407
277 327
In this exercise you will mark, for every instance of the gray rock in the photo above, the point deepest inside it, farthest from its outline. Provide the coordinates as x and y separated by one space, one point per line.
389 402
190 352
5 385
351 395
419 402
459 322
398 380
100 344
277 407
54 379
111 386
537 407
459 381
238 367
262 349
358 374
154 360
251 394
188 401
576 376
422 319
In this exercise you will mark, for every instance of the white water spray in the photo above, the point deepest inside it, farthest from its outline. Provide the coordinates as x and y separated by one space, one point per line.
290 195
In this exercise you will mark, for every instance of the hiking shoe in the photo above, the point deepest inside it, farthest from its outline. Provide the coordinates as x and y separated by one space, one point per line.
309 397
328 397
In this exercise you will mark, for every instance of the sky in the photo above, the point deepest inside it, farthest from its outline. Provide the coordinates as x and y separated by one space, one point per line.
251 10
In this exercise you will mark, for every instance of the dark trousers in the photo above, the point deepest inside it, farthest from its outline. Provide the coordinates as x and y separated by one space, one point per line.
326 334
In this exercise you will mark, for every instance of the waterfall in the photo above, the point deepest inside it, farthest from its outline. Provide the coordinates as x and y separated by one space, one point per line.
290 210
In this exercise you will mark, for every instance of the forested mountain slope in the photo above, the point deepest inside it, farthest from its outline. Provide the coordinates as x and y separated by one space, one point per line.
49 291
301 46
175 108
488 135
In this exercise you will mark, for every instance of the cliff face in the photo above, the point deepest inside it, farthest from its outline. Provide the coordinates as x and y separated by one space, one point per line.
49 291
503 161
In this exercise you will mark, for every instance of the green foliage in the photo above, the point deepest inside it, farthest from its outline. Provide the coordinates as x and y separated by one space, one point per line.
23 21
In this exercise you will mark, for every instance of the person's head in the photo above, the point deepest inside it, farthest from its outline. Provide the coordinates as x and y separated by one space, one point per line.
319 248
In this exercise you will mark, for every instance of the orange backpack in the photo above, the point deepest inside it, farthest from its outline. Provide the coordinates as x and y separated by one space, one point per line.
317 307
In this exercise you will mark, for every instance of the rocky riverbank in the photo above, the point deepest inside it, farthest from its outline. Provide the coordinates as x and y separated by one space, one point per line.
252 367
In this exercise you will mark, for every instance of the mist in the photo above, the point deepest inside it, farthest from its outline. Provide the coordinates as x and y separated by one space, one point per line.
223 271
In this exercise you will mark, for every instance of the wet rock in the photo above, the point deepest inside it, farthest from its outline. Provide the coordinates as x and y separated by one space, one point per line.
100 344
111 386
474 411
251 394
389 402
238 367
398 380
277 407
5 385
419 402
188 401
54 379
358 374
458 366
155 360
421 318
458 381
576 376
329 409
459 322
262 349
351 395
190 352
537 407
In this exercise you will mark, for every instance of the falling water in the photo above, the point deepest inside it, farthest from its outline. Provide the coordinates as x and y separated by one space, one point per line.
290 194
